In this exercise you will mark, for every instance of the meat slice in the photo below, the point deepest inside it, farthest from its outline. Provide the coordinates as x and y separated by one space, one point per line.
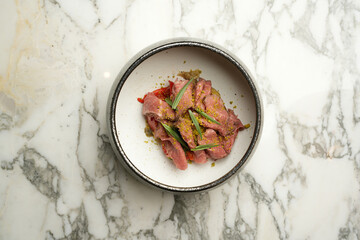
209 137
171 147
186 101
156 128
173 150
215 108
184 124
202 89
158 108
234 125
200 157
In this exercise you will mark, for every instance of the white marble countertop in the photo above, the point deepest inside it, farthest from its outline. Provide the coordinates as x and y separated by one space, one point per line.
59 178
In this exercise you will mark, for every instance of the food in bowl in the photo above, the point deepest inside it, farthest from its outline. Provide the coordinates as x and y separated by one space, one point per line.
190 120
143 157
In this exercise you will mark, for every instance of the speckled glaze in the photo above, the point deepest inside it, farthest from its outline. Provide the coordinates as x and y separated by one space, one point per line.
166 183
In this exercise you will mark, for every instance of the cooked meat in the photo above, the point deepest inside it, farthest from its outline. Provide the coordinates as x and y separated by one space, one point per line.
209 137
234 125
158 108
171 147
198 95
173 150
200 156
184 124
202 89
215 108
186 101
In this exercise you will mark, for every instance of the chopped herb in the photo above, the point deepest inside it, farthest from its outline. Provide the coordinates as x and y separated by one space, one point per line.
213 164
207 116
196 123
173 133
247 125
203 147
180 94
168 101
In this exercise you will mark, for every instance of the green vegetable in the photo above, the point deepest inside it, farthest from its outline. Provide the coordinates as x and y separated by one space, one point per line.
207 116
168 101
173 133
180 94
203 147
196 123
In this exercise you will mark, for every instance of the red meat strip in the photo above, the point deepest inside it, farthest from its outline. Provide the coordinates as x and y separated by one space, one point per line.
209 137
200 156
215 108
186 101
171 147
185 128
173 150
234 125
158 108
202 89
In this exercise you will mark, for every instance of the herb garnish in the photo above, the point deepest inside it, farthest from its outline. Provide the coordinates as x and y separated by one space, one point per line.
180 94
196 123
173 133
168 101
203 147
207 116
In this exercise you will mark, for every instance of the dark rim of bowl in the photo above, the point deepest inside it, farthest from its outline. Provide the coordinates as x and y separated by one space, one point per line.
133 66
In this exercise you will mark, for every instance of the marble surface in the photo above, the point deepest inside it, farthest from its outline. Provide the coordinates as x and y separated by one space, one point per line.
59 178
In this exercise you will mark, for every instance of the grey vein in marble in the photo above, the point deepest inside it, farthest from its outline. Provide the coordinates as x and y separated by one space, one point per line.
58 171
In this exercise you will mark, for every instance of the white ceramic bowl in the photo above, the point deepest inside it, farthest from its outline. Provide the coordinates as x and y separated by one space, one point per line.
144 158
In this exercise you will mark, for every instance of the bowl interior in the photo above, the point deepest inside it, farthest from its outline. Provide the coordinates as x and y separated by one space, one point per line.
143 152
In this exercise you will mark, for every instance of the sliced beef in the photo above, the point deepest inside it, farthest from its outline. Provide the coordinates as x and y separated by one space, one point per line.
184 124
157 128
215 108
173 150
234 125
202 89
158 108
200 156
209 137
171 147
228 141
186 101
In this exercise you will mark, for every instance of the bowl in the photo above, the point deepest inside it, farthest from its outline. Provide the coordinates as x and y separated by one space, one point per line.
141 155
